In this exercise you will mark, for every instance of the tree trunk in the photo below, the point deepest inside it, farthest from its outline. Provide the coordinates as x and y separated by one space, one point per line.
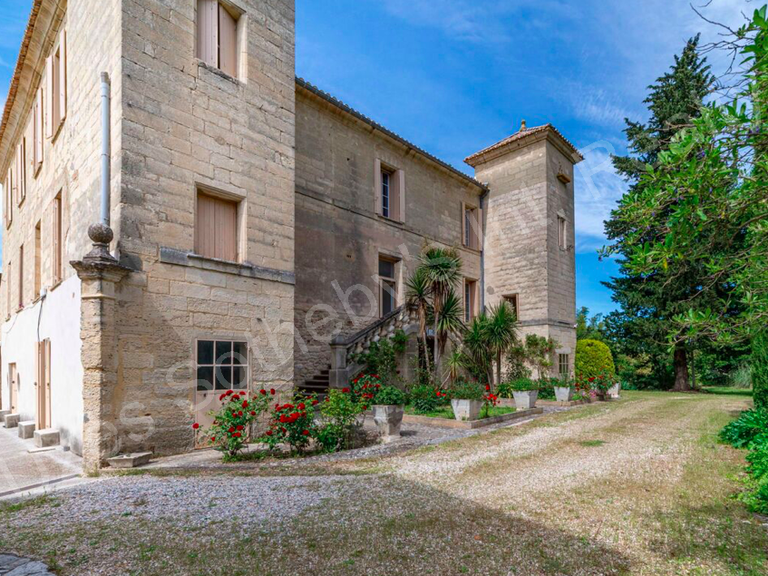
498 369
681 369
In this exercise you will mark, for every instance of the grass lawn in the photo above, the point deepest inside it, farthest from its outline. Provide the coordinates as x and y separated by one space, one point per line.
639 486
447 412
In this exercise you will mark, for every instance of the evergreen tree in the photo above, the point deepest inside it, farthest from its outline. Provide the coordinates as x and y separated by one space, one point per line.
649 301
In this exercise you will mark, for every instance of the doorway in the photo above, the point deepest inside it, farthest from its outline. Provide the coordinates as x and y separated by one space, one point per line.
43 385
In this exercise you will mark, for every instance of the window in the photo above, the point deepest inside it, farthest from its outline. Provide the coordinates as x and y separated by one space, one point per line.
390 187
37 133
216 227
564 364
470 300
21 276
38 263
388 292
470 231
57 240
20 178
222 365
562 233
8 198
56 65
512 300
217 36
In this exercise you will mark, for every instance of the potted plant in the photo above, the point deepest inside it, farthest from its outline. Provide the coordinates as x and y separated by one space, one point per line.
388 412
525 392
563 390
466 400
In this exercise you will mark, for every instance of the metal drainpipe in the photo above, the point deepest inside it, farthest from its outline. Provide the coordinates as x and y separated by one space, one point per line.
483 196
105 145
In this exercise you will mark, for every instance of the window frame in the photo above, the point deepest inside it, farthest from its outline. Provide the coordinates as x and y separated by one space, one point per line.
470 296
214 45
21 277
562 232
567 357
471 231
514 301
215 363
239 205
57 240
390 282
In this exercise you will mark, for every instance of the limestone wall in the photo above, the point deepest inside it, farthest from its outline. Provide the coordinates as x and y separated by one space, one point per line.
339 236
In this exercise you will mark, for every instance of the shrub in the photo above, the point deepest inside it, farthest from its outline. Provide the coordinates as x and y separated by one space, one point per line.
231 427
760 370
340 411
593 358
364 388
389 395
381 357
466 390
519 385
745 429
292 423
758 459
425 398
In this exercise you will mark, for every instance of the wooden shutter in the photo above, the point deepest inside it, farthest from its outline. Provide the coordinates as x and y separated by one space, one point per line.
56 238
51 108
207 31
39 129
62 76
463 224
399 199
8 203
21 169
227 42
205 230
226 229
394 195
16 174
377 185
479 229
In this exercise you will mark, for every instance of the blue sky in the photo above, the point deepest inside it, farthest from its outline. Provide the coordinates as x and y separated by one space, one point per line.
454 76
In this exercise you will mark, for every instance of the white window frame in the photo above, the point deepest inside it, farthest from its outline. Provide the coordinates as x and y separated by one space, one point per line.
216 363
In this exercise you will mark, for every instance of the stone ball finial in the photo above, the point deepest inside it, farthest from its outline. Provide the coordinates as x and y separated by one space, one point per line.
100 233
522 125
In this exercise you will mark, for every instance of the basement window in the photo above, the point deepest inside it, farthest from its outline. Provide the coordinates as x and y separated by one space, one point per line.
222 365
217 32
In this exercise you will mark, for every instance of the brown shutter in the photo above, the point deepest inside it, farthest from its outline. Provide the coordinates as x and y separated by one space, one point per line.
205 230
11 190
16 175
22 170
479 229
401 195
51 108
463 224
377 185
56 239
207 31
62 76
227 42
39 129
226 229
394 196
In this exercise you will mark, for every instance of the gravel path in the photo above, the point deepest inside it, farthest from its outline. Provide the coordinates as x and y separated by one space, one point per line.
618 488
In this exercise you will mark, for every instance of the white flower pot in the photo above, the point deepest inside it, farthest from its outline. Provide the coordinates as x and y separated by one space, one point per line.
525 399
563 393
466 409
613 391
388 418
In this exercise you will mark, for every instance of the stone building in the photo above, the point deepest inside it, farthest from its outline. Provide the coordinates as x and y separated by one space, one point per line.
182 214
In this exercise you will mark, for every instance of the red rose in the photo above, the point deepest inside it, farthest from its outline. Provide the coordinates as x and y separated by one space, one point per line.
231 429
263 392
269 432
283 430
487 387
253 413
365 407
314 402
245 403
240 413
195 426
213 438
240 427
272 391
237 435
301 406
345 390
306 432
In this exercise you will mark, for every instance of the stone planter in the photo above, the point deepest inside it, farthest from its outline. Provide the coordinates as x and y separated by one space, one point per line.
466 410
525 399
563 393
388 418
613 391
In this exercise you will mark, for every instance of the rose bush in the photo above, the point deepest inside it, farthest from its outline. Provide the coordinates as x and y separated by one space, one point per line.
292 423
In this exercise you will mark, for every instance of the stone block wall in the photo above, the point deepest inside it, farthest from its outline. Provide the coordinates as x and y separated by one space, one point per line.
339 235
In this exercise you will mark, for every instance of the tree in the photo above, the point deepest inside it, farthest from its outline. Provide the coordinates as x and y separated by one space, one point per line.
417 297
589 328
649 301
500 333
442 270
711 186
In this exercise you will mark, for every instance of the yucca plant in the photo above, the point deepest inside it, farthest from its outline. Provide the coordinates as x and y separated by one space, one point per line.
500 333
417 295
479 360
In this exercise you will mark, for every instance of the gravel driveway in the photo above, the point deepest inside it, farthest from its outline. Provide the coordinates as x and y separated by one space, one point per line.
632 487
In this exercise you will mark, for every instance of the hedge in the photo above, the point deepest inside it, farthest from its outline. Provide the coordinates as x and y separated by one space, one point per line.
760 370
593 358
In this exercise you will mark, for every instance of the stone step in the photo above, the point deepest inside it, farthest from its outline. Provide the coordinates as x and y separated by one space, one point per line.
47 437
3 414
26 429
129 460
12 420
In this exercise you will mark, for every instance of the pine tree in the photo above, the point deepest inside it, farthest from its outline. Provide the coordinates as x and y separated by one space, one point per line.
648 302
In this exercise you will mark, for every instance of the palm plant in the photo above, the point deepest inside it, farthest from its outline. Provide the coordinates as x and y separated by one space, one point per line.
455 363
449 323
478 356
442 268
417 296
500 333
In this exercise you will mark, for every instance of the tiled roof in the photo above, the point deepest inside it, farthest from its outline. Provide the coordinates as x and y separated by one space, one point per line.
362 117
523 134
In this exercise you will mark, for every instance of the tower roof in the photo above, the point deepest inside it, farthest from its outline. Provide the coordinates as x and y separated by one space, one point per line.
523 137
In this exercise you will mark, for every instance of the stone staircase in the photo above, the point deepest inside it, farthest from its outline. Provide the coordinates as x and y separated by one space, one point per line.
318 384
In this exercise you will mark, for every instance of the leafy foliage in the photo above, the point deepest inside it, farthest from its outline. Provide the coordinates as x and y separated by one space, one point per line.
760 370
232 423
381 357
389 395
340 412
466 390
742 432
593 358
424 398
293 424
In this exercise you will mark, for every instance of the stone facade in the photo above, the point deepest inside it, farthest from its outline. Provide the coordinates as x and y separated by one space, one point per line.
301 168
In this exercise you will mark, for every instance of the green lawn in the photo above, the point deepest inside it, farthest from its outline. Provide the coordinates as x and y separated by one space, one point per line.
447 412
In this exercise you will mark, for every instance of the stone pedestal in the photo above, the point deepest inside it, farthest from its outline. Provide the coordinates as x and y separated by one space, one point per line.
99 273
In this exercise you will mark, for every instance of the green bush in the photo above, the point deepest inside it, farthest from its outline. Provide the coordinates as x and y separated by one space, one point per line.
465 390
517 385
547 387
389 395
745 429
758 459
340 411
593 358
760 370
424 398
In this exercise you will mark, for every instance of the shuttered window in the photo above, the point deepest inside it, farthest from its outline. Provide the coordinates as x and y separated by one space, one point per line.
390 192
471 219
217 36
38 259
216 227
8 199
562 233
21 171
56 76
388 289
21 276
57 244
470 300
37 133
